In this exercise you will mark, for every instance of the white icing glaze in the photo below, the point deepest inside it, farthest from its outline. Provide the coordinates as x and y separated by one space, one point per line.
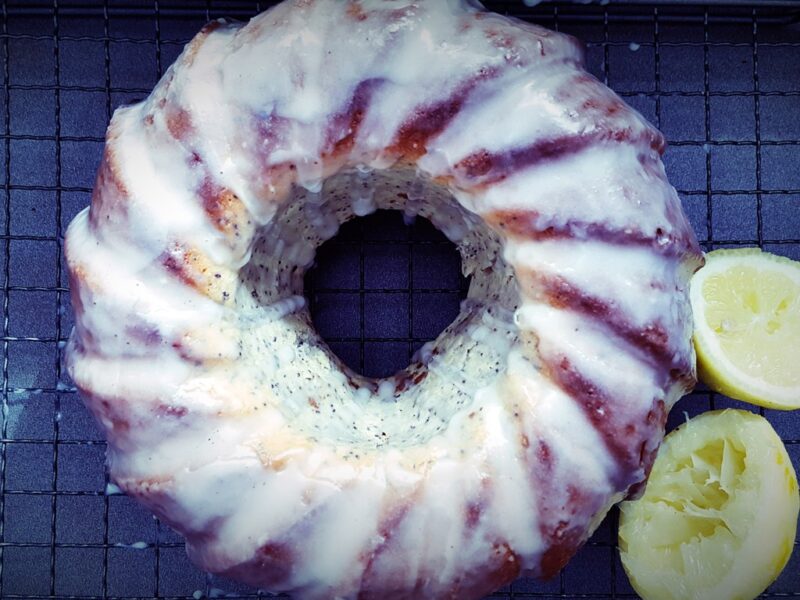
614 190
493 452
622 374
626 282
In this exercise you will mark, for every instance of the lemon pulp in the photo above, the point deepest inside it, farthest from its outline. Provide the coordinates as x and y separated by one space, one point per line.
719 513
746 306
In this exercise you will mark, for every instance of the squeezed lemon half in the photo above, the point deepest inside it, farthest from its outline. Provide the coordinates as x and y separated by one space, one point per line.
718 517
746 306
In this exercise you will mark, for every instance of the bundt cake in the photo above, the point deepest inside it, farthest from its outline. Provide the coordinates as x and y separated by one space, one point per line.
502 447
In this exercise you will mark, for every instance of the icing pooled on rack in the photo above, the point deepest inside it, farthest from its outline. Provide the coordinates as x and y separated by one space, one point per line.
501 447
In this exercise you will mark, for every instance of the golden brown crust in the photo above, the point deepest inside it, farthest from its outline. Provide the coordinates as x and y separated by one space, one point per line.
110 196
228 214
193 268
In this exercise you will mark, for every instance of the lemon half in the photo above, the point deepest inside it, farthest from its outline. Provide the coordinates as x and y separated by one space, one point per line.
746 306
718 517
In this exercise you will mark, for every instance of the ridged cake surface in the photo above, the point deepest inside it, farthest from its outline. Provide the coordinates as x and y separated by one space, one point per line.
501 448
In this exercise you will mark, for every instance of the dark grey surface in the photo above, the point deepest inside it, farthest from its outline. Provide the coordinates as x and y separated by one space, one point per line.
722 82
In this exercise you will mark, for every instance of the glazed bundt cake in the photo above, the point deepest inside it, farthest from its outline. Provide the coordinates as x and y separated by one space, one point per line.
501 448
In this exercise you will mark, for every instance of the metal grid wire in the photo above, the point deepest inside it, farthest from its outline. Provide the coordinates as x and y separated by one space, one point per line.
723 83
381 288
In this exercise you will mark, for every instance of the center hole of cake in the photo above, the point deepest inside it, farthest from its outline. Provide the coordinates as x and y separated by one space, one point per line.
381 288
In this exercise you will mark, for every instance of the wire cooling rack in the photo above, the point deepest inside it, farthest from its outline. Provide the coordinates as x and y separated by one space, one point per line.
722 82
